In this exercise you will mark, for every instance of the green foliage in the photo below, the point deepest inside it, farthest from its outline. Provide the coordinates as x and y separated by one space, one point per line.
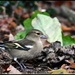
51 11
20 35
49 26
40 24
38 12
59 71
27 25
68 40
2 2
1 10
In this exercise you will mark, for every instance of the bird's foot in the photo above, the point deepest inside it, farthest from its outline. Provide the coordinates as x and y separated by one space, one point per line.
23 65
20 64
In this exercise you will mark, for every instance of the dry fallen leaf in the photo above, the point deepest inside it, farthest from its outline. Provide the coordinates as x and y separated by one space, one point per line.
13 70
62 70
63 66
58 71
72 64
65 28
68 70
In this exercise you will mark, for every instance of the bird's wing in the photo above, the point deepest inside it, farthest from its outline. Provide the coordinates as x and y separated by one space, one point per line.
20 45
24 42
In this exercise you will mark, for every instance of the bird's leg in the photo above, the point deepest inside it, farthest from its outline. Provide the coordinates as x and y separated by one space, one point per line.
15 59
23 64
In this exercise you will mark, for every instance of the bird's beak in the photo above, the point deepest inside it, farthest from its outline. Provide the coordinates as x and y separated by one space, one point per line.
43 36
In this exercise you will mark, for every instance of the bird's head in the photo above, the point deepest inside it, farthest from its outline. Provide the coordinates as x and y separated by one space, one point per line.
35 34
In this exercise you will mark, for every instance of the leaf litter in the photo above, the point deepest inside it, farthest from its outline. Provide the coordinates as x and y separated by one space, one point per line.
55 59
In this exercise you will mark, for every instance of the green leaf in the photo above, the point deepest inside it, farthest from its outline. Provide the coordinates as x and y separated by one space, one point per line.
38 12
59 71
20 35
68 40
51 11
49 26
27 25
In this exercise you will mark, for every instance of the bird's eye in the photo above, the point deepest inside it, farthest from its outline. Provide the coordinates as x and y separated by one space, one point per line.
38 33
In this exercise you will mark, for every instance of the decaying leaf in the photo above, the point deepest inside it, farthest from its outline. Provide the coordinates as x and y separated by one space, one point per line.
13 70
59 71
72 64
49 26
67 68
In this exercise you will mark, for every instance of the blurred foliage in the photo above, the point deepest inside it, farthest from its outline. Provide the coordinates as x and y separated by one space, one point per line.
68 40
59 71
52 12
2 2
36 12
27 25
1 10
20 35
49 26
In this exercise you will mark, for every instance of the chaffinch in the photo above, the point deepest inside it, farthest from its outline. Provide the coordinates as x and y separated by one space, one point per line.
27 48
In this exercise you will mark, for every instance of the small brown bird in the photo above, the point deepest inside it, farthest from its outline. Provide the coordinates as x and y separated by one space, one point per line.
29 47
